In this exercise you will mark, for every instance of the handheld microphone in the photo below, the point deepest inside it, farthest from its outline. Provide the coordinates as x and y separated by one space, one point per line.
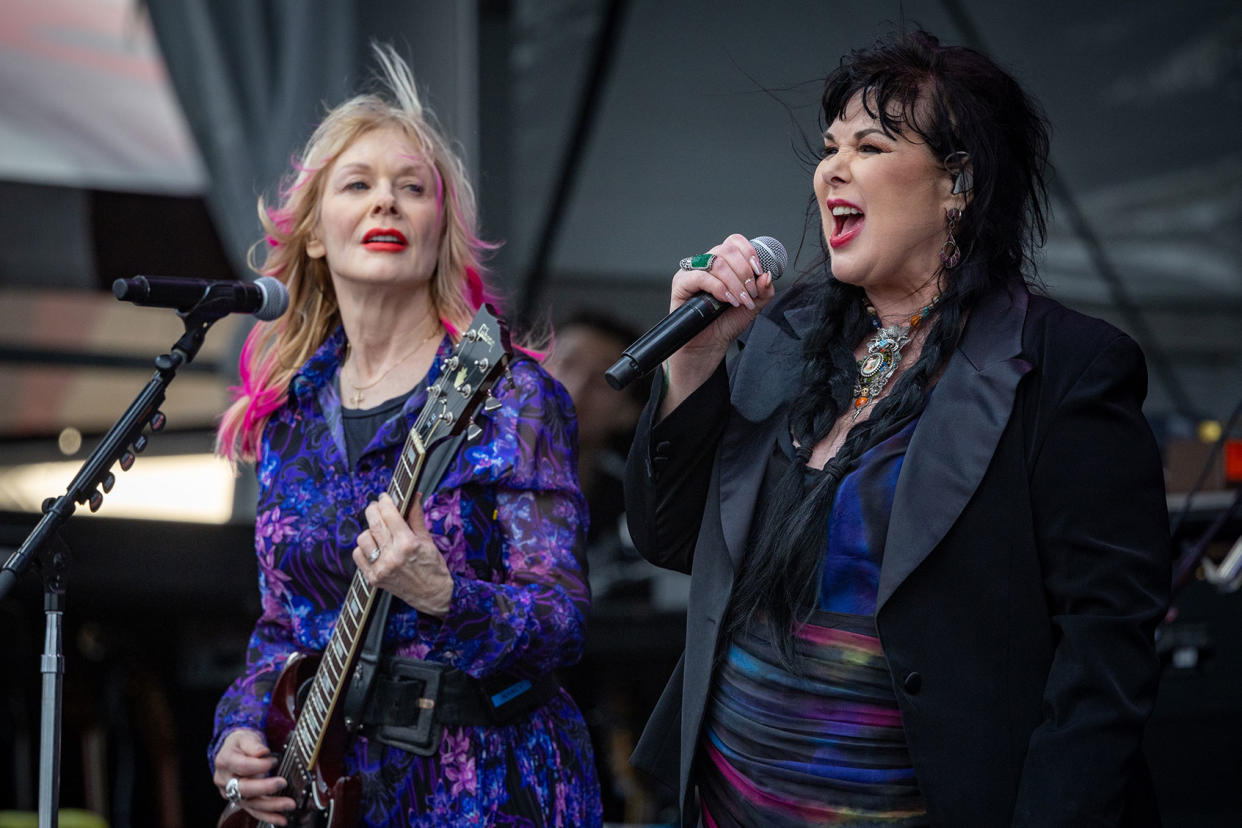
266 298
683 324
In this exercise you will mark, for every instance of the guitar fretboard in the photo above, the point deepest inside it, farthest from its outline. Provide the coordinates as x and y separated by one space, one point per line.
338 656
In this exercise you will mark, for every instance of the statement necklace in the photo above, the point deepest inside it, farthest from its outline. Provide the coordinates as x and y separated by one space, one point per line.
883 356
355 399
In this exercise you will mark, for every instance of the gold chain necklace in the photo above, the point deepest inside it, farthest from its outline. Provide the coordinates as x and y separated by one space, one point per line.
355 399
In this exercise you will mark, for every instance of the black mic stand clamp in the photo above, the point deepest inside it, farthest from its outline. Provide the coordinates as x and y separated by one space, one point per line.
123 441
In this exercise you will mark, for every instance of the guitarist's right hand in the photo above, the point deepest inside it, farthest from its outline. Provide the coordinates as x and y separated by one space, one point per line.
245 755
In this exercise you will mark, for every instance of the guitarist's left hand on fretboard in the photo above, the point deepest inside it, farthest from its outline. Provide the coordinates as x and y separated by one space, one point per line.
398 555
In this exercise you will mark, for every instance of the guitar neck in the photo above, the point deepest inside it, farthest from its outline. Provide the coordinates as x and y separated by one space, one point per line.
407 472
330 680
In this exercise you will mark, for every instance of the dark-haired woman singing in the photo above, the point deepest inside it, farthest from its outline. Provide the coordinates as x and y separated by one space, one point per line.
923 513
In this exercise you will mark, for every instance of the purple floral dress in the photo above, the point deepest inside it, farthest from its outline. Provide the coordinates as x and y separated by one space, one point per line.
510 519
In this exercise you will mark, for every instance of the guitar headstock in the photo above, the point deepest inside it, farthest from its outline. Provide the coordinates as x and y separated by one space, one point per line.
466 380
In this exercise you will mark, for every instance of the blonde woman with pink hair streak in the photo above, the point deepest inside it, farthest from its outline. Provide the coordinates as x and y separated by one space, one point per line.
375 237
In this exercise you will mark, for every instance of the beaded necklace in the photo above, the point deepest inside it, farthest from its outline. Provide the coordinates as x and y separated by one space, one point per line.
883 356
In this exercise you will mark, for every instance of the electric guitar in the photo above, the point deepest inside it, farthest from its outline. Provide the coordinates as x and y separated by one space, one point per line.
304 721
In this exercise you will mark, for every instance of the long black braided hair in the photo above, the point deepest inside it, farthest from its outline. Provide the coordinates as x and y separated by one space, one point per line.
956 100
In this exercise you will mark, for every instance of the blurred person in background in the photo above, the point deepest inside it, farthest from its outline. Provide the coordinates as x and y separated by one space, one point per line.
617 687
583 348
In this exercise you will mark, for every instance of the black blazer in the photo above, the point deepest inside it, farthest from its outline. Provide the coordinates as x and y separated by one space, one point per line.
1026 566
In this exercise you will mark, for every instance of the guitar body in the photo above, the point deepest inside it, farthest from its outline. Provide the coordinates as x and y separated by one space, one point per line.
330 798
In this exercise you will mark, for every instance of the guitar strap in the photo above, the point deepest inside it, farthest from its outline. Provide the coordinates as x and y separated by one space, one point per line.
367 665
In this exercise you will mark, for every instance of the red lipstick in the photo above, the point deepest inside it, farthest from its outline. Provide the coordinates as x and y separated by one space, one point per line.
385 240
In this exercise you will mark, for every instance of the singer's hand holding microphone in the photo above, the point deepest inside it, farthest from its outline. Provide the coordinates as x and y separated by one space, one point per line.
709 308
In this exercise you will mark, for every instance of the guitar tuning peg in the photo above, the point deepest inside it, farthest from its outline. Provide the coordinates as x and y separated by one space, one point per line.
141 443
127 460
492 404
109 481
96 500
158 420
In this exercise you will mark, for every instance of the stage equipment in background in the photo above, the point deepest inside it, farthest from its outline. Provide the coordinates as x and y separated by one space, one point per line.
1222 462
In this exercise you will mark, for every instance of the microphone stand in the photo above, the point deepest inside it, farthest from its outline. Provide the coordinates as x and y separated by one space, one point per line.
45 545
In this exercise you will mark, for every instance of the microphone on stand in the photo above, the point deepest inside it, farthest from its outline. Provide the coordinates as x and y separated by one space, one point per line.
684 323
266 297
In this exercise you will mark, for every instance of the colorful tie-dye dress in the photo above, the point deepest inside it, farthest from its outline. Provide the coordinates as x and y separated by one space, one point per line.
510 520
823 746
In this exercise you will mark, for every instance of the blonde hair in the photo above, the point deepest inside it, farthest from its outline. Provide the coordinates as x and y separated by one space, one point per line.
274 351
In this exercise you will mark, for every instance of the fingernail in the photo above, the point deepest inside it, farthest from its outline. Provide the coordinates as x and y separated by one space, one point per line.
747 301
754 265
731 299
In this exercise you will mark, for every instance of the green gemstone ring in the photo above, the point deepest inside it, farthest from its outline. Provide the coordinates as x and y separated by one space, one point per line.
703 261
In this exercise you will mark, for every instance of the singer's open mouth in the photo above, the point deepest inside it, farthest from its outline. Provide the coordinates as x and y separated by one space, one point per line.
847 221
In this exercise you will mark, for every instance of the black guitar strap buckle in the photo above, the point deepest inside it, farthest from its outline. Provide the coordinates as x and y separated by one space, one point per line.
402 709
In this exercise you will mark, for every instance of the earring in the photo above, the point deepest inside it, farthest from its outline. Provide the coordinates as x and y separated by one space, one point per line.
958 164
950 253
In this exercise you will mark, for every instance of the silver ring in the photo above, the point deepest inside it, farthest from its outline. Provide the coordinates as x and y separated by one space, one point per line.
374 554
232 791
